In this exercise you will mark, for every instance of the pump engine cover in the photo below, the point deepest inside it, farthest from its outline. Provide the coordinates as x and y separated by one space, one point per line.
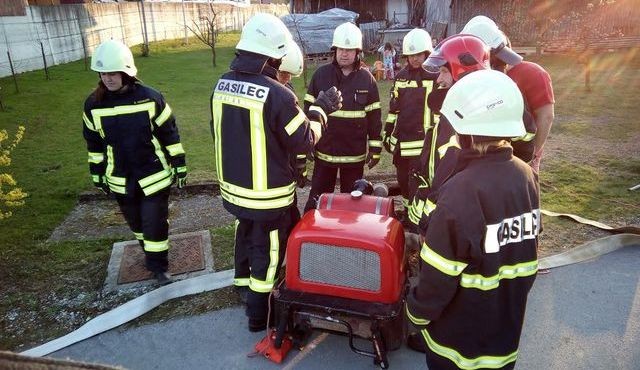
347 254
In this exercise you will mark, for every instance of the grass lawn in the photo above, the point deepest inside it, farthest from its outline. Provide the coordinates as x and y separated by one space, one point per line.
592 157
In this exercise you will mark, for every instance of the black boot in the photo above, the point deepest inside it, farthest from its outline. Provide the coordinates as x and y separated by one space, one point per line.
256 324
416 343
162 278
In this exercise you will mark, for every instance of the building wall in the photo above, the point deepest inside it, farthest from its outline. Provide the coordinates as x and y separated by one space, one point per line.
68 32
400 9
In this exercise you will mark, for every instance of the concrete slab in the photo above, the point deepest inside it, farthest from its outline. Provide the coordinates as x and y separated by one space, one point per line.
189 256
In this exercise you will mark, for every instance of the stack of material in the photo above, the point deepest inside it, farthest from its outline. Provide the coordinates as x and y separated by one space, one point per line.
314 32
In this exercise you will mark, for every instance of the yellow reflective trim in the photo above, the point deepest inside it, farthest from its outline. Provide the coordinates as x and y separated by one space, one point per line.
258 194
241 281
446 266
139 236
216 115
432 154
426 118
405 84
301 156
410 152
88 122
489 362
257 204
393 140
428 207
258 150
405 203
505 272
164 116
411 144
340 159
160 246
149 180
309 98
96 157
315 108
274 255
414 319
391 118
260 286
376 143
160 153
415 211
372 106
349 114
97 114
526 137
175 149
295 122
157 186
452 143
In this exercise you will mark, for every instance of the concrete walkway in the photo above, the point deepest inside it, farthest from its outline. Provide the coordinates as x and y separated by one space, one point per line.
583 316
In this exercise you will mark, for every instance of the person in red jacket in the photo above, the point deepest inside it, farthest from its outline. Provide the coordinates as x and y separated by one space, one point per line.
533 81
478 259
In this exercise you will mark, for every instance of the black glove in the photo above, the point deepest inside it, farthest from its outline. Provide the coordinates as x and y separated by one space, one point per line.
301 178
386 142
329 100
372 159
102 185
180 174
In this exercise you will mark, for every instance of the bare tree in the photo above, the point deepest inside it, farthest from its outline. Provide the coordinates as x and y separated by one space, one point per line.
207 30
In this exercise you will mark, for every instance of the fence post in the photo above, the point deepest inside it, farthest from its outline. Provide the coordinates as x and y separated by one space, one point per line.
145 36
13 72
44 60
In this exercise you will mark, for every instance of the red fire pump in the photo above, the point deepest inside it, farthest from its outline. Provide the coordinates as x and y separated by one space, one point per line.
345 274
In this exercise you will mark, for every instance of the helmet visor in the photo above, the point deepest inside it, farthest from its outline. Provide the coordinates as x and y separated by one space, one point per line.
433 63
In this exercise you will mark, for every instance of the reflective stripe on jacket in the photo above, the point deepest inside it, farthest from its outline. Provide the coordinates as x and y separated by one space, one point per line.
479 261
258 128
354 130
409 115
132 138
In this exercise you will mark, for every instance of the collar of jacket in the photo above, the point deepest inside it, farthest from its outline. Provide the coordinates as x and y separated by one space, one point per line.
493 154
247 62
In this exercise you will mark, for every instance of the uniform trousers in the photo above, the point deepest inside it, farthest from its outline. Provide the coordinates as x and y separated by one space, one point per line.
260 246
324 181
147 218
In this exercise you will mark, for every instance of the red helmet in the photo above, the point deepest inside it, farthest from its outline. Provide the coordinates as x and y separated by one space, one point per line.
461 54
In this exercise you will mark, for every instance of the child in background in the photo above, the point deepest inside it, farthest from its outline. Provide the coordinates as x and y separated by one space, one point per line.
378 70
388 56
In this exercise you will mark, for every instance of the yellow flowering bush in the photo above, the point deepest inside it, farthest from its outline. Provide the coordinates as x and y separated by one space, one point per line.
11 195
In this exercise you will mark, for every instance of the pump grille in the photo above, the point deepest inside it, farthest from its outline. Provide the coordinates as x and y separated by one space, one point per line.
341 266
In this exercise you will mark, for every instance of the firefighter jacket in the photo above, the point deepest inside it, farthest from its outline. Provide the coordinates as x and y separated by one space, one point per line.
132 139
258 128
409 115
355 128
478 261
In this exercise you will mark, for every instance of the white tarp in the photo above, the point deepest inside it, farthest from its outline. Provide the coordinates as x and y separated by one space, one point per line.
314 32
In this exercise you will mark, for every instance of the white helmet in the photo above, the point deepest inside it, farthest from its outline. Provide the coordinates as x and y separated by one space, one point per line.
293 62
488 31
480 19
347 36
485 103
113 56
264 34
416 42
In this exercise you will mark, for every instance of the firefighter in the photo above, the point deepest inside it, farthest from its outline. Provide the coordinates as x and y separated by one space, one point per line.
502 55
454 58
257 127
353 133
478 258
409 116
134 150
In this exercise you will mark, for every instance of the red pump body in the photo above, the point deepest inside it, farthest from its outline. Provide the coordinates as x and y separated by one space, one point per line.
347 252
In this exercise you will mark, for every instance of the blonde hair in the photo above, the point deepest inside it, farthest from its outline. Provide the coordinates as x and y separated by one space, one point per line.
483 146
